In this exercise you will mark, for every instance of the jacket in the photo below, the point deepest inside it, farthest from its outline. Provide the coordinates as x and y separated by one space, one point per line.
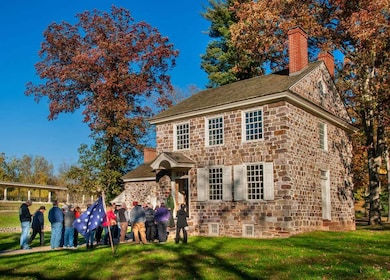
162 214
110 219
181 218
122 215
149 214
24 213
55 215
69 218
137 215
38 221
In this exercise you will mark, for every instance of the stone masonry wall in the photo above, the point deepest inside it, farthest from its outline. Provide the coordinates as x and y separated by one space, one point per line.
143 192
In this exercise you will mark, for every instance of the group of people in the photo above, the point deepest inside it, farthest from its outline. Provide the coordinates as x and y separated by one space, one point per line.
62 232
147 225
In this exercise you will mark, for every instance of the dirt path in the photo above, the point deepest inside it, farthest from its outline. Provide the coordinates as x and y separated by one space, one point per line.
33 250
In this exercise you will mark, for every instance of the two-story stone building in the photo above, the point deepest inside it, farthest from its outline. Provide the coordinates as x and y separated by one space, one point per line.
264 157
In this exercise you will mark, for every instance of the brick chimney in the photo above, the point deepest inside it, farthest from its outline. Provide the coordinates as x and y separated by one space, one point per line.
297 50
328 58
149 154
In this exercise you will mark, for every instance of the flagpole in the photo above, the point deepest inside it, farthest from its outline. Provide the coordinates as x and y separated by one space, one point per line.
108 222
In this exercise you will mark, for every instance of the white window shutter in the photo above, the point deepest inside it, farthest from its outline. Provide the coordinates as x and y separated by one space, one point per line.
202 182
268 181
227 183
239 182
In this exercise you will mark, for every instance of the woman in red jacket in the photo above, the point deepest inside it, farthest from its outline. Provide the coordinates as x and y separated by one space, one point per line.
110 221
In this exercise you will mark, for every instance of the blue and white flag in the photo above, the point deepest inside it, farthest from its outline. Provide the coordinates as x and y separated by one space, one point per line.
90 219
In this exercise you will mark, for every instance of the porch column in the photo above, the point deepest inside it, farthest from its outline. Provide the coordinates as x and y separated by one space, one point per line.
67 198
49 197
29 195
5 193
83 199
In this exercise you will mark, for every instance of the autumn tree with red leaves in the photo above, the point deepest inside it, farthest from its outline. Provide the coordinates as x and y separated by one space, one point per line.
113 69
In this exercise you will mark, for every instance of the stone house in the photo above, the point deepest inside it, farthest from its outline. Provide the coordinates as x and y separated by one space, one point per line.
264 157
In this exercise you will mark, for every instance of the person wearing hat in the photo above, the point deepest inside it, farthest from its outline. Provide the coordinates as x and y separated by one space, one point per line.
38 226
56 218
69 218
25 221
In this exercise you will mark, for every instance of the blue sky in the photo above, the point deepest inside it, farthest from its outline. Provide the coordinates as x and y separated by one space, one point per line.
25 129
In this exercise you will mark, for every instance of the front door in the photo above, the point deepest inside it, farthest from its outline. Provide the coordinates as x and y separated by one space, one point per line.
181 193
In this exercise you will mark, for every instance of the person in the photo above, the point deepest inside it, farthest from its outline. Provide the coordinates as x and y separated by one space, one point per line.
137 220
63 227
69 229
77 214
161 217
25 221
181 224
110 221
38 226
123 221
149 223
56 218
170 205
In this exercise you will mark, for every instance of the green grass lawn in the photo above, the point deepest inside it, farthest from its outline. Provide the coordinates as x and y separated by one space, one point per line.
360 254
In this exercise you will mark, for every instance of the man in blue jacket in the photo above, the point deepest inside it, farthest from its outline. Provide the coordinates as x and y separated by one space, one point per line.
25 221
38 226
56 218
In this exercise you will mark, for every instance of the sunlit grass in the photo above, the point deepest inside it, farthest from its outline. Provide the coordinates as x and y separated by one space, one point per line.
361 254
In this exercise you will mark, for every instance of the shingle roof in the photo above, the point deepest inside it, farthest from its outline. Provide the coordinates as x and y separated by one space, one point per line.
179 158
235 92
143 171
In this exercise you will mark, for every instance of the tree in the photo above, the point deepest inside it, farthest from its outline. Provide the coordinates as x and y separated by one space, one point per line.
221 57
27 169
112 68
363 33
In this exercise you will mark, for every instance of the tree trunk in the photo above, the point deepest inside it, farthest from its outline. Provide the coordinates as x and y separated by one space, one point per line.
374 187
388 183
374 158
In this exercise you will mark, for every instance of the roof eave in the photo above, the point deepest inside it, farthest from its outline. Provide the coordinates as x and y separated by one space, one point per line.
288 96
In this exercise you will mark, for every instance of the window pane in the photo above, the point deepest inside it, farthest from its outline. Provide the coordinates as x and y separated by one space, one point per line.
182 136
253 125
215 183
255 181
215 130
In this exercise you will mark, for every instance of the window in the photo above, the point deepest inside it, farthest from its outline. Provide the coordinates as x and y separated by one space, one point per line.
254 181
255 178
323 136
182 136
215 183
248 230
214 131
253 126
214 229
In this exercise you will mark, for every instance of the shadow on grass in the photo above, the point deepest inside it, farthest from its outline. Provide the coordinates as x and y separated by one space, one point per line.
316 255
